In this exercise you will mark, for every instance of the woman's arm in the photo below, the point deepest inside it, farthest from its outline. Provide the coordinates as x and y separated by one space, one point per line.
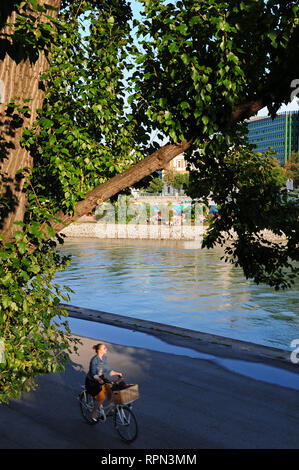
109 371
113 372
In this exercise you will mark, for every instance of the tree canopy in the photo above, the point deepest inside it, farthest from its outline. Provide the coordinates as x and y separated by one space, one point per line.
89 89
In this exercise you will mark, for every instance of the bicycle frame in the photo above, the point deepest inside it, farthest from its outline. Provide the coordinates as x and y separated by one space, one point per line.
120 411
123 417
110 407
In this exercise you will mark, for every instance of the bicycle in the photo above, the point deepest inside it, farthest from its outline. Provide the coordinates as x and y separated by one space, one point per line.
124 419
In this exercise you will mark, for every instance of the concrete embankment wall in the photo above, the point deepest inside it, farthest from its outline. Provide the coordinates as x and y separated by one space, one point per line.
146 232
205 342
134 231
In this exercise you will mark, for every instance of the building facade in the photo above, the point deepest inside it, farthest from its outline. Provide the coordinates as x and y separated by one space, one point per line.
178 163
281 133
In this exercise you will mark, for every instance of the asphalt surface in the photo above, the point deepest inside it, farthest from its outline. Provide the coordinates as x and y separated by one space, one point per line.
185 403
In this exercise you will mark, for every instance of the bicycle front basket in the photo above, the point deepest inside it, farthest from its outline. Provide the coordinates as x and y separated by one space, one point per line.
127 395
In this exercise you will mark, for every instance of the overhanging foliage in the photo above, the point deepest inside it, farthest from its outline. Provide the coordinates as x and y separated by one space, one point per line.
197 72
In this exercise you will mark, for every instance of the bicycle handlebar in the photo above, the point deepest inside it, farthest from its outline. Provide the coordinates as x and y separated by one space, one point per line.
111 381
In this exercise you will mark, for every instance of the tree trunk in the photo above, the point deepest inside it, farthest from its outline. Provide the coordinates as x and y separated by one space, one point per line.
19 80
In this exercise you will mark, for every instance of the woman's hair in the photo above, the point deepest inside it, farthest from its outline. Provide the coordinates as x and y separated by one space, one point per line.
96 347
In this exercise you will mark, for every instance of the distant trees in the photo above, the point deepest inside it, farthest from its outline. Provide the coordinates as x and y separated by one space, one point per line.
178 180
291 168
156 185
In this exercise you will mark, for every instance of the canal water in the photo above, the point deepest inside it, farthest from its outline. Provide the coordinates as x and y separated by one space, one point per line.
178 283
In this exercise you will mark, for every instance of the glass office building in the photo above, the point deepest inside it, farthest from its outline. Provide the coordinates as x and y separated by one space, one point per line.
282 134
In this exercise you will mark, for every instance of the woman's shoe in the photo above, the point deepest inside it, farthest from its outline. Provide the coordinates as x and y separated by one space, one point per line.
101 414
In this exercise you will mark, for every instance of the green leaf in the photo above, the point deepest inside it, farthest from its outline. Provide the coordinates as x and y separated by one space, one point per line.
173 135
273 37
22 246
185 105
18 235
46 123
173 47
25 306
186 59
194 20
51 231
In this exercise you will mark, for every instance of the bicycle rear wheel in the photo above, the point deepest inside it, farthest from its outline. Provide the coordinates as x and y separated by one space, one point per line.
125 423
86 406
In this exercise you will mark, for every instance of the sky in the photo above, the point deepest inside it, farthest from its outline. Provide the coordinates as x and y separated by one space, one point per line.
293 106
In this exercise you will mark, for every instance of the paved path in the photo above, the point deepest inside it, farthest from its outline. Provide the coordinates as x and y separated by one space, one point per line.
185 404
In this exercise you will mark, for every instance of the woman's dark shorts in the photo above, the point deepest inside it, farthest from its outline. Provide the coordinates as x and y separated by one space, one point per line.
93 387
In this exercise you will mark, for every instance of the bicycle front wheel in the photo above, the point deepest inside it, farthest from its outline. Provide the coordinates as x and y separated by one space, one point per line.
86 406
125 423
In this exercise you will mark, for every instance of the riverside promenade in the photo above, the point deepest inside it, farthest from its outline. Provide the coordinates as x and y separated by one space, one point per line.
189 402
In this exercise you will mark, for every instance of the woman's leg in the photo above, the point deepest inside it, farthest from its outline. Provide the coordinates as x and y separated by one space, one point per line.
98 400
97 403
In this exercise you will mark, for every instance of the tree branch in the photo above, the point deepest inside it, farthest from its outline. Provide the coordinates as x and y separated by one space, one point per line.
245 110
154 162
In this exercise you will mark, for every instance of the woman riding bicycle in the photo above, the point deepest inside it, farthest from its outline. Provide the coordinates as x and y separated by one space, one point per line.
95 379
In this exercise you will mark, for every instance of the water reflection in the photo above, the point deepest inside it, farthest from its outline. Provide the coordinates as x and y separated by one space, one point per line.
254 370
176 283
